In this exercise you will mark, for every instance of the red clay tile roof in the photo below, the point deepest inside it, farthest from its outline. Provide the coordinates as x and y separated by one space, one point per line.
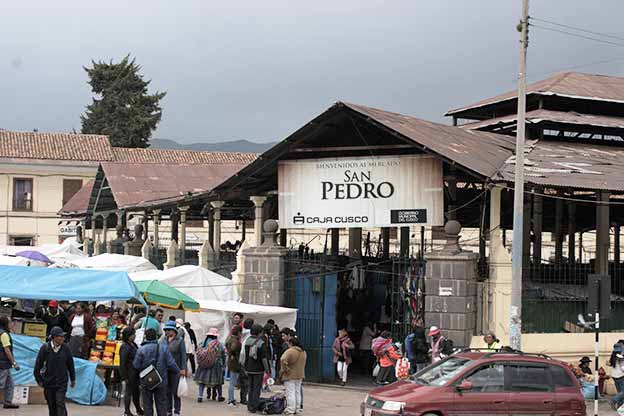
56 146
188 157
566 84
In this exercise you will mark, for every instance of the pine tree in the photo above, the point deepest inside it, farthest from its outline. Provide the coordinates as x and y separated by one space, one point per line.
122 108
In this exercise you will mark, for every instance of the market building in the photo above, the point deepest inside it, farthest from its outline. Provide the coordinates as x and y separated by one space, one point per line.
41 172
370 172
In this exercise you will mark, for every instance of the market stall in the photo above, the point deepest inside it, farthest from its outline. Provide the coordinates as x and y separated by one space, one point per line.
36 283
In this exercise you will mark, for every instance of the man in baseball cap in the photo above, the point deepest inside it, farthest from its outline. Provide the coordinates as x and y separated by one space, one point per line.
53 316
56 358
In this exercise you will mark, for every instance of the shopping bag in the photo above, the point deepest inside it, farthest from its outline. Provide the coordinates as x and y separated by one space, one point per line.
182 387
402 369
376 370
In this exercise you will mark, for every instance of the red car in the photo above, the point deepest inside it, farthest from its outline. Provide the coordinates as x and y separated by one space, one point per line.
483 383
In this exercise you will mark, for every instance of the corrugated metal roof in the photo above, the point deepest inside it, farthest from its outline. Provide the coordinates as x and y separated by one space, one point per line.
478 151
135 184
564 117
78 203
570 164
567 84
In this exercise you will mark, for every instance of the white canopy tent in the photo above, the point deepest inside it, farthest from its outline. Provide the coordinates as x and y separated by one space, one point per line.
114 263
218 298
218 314
58 253
195 281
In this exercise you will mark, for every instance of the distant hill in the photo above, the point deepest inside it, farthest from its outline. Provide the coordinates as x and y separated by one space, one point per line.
244 146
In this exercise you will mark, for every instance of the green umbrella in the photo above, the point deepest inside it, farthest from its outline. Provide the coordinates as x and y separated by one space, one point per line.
158 293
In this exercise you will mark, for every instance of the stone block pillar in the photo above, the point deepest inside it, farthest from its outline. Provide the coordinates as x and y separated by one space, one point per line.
258 221
207 256
451 289
261 270
172 255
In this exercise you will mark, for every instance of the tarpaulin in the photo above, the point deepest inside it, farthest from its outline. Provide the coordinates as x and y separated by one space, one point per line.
89 390
71 284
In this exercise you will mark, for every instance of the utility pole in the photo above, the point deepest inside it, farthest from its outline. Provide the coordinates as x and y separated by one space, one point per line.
515 310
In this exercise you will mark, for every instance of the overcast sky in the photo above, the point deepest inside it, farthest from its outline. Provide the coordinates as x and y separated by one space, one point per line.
258 70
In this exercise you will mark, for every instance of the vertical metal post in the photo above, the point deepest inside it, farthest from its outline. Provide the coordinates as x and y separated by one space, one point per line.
538 209
596 358
558 230
515 310
571 232
405 242
422 242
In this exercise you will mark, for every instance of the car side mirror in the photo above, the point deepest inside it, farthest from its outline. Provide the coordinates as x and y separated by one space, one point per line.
465 385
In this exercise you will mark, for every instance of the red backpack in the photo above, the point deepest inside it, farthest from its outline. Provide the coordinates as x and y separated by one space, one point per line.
208 356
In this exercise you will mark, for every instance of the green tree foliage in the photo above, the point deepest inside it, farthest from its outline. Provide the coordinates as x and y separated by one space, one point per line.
122 108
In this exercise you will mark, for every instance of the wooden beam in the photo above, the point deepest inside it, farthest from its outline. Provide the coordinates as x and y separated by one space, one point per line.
352 148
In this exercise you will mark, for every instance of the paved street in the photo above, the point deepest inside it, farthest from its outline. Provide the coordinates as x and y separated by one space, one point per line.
326 401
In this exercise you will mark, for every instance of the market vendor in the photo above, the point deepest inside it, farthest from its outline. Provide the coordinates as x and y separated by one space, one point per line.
82 332
53 316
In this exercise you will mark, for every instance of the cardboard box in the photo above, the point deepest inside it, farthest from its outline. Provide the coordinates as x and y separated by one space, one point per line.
35 329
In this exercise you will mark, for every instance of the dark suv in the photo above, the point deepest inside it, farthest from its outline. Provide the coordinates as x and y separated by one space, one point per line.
483 383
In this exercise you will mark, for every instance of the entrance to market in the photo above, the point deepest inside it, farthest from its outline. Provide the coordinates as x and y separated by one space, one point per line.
364 296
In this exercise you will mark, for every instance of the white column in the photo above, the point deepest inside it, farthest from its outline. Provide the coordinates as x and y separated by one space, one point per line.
216 217
258 203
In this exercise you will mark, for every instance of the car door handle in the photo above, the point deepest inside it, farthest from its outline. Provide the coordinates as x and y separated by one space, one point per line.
499 402
548 401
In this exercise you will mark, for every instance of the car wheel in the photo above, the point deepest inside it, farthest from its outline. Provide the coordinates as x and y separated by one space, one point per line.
430 414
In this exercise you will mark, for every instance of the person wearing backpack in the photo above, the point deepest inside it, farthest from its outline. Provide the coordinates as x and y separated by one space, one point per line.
210 363
7 361
255 360
440 346
54 367
388 355
174 342
416 347
292 373
152 358
233 349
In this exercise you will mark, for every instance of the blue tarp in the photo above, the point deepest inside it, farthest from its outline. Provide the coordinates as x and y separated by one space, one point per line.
70 284
89 390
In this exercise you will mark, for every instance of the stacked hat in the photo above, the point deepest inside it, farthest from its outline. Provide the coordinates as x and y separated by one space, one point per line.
170 326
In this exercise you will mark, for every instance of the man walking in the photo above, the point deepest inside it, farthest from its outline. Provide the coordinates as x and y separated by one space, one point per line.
255 360
416 347
7 361
152 353
53 368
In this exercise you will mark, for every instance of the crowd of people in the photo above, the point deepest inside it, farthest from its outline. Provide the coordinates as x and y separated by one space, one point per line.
380 354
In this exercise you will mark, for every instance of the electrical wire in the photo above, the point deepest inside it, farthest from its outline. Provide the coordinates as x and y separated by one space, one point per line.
621 45
578 29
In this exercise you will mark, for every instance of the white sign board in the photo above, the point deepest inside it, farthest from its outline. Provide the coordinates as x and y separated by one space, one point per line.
383 191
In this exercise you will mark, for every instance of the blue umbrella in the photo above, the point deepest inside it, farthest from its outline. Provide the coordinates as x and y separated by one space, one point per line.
34 255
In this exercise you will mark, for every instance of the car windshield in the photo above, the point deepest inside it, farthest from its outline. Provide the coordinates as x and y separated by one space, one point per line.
440 373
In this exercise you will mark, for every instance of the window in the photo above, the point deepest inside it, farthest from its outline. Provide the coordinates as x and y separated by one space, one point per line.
70 188
489 379
22 194
529 379
21 241
443 371
560 377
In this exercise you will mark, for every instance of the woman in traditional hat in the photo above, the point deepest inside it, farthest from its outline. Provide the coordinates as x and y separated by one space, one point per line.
210 362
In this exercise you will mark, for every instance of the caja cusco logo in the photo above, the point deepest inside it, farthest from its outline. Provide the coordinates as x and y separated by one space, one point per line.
355 219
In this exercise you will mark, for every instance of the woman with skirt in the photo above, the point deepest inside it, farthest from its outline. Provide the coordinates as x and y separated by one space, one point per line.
210 376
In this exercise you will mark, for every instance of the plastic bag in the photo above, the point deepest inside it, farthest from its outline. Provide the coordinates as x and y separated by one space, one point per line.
376 370
182 387
402 369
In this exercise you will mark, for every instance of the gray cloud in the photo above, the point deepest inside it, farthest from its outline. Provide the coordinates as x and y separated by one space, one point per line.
259 70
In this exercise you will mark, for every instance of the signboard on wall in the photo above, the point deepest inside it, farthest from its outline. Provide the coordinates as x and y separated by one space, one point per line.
382 191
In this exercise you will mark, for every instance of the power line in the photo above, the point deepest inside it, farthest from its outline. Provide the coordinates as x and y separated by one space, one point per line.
578 29
621 45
